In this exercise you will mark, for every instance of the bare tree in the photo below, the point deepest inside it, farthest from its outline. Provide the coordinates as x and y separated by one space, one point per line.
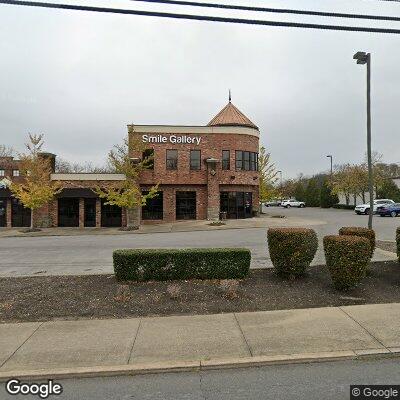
6 151
66 167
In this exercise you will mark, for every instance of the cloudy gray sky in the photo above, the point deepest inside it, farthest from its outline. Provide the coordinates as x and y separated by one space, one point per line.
79 78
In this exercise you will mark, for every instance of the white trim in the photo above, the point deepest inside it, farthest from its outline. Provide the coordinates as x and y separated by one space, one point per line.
88 177
166 129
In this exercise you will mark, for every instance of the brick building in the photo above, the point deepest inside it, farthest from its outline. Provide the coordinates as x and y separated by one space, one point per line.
201 171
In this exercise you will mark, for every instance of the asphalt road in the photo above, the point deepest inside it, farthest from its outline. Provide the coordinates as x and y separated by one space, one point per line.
88 254
327 381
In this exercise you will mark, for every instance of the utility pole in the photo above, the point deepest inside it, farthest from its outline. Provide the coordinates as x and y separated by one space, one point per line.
365 58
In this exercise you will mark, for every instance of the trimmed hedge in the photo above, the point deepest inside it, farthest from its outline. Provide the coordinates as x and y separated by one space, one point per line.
361 232
292 249
398 242
347 258
181 264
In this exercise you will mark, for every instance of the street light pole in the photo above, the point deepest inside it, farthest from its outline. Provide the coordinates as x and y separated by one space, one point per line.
280 172
329 156
365 58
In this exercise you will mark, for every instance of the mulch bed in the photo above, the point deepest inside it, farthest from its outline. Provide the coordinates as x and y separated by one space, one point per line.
101 296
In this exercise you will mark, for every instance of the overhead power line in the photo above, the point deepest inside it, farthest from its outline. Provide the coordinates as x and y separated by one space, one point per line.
272 10
200 17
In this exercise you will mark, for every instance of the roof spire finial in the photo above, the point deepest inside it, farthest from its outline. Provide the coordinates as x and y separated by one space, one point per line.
230 96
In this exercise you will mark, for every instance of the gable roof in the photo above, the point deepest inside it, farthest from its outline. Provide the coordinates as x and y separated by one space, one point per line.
231 116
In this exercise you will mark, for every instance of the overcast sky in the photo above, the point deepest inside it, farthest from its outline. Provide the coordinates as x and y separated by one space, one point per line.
80 78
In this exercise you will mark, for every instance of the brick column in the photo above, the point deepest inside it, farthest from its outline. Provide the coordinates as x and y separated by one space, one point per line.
213 198
8 213
54 213
81 212
98 213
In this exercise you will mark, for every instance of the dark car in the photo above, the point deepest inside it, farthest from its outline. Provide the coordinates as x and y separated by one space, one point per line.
272 203
392 210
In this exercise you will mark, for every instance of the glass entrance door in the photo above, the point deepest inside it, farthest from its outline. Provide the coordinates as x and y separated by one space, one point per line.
236 204
248 205
90 213
3 213
111 216
240 205
20 216
185 205
68 212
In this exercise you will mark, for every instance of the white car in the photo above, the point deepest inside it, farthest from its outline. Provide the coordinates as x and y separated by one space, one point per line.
293 203
364 208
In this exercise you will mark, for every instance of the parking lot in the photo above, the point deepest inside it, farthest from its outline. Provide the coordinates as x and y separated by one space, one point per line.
88 254
385 227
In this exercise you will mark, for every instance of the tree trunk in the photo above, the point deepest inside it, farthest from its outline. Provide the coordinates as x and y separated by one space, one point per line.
133 218
31 219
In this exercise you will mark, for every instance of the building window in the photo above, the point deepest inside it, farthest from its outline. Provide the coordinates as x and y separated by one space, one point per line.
226 162
153 208
148 157
252 161
195 163
15 172
246 161
239 160
2 173
172 159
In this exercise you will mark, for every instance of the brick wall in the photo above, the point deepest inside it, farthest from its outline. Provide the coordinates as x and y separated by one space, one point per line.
211 147
207 182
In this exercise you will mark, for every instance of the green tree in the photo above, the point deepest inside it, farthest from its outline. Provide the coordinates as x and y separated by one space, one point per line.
268 176
312 193
299 191
36 188
389 190
327 198
127 193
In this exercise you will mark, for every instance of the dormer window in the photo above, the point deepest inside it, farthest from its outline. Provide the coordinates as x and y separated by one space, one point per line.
2 172
15 172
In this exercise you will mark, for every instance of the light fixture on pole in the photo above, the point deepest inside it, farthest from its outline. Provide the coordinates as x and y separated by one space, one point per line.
365 58
330 156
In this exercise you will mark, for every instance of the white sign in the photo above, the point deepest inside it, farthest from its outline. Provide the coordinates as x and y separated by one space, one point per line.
174 139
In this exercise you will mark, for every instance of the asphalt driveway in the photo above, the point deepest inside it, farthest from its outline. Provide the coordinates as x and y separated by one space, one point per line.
89 254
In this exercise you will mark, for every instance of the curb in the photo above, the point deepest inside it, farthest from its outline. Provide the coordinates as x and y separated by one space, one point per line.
196 366
138 232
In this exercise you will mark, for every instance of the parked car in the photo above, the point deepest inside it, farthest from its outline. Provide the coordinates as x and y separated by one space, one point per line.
364 208
392 210
293 203
272 203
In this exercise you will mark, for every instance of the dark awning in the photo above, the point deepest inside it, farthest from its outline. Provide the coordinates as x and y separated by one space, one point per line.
78 192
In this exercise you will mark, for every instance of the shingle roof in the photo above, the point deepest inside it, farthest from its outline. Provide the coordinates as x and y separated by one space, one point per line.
231 116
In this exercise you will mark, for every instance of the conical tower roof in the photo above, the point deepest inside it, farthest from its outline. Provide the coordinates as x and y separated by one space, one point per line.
231 116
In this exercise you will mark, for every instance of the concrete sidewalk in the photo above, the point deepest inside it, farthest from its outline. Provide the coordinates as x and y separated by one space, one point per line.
127 346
